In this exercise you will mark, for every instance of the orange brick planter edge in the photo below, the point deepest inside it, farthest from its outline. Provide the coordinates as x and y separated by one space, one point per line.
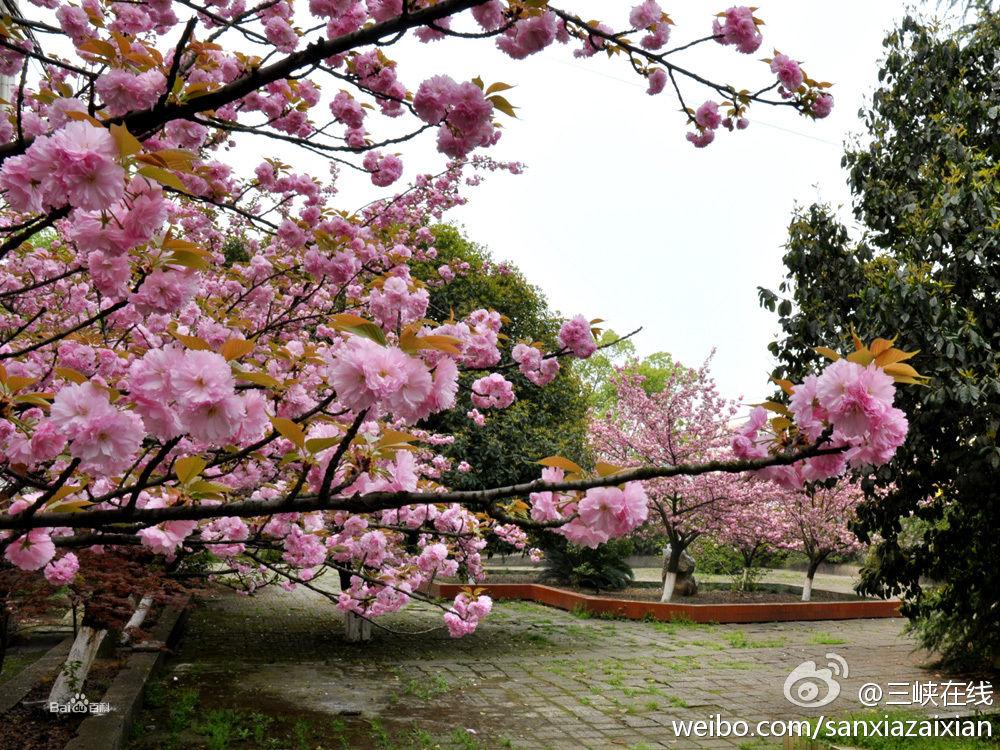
637 610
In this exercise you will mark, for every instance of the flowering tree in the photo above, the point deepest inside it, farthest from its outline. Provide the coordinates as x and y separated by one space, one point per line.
816 519
753 523
687 421
196 359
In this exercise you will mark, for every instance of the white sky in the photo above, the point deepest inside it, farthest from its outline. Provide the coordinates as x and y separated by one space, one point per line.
618 217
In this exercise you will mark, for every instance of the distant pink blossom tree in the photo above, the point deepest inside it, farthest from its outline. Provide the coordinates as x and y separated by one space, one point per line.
686 422
753 523
816 520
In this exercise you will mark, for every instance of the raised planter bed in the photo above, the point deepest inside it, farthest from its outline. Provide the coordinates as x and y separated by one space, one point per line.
118 677
722 613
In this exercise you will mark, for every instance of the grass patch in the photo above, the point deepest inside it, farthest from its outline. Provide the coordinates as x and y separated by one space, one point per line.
826 639
759 744
425 691
734 664
738 639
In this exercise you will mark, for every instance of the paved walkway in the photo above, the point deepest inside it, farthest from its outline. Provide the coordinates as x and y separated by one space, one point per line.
530 677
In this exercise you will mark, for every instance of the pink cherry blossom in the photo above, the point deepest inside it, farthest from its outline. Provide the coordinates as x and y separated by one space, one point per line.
529 36
385 169
657 81
62 571
788 71
31 551
122 92
107 443
707 115
856 398
201 377
492 392
701 138
303 550
738 28
489 15
575 335
76 405
822 107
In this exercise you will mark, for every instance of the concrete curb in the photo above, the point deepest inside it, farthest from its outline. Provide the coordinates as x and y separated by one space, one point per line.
14 690
109 731
632 609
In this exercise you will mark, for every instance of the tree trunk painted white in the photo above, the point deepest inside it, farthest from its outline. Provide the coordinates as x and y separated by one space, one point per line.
356 628
807 588
136 620
77 665
668 587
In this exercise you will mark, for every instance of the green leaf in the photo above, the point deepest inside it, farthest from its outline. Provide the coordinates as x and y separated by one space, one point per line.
315 445
163 177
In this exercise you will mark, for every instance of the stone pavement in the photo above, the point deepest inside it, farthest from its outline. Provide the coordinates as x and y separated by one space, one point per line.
530 677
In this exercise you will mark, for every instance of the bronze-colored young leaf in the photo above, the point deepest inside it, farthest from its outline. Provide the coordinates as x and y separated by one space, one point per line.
559 462
290 430
188 467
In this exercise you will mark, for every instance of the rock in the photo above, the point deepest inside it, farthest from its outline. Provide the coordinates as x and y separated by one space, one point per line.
686 584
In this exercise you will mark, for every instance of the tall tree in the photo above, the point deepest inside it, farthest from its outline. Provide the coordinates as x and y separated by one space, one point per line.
926 181
543 420
619 352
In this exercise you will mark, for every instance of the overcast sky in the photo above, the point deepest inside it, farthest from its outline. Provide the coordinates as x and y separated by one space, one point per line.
618 217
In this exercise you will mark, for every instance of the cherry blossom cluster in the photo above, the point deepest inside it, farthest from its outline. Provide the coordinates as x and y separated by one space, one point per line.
76 165
852 404
536 368
602 513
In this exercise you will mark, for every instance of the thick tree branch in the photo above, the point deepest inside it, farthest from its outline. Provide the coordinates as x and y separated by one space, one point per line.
386 500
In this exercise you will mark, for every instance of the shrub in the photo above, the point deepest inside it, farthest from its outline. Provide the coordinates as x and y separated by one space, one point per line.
601 569
713 558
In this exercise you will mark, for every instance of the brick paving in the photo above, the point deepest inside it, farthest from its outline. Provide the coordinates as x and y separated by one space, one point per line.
530 677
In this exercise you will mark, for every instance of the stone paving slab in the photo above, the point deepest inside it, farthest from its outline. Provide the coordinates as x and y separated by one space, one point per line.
530 677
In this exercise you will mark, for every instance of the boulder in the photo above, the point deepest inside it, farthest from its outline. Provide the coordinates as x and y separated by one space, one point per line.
686 585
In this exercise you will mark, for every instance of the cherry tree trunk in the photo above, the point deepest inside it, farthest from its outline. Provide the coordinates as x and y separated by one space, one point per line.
807 587
77 665
670 569
136 620
356 628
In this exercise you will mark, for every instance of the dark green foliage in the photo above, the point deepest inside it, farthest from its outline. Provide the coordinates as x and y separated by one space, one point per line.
234 250
543 421
713 558
927 187
649 539
601 569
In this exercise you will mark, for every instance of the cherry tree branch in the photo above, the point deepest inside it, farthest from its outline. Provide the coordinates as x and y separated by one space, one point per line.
388 500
